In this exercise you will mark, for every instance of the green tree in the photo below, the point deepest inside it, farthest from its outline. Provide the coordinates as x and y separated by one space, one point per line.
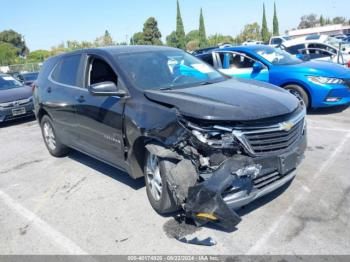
192 45
38 56
15 39
265 36
339 20
218 39
180 30
307 21
276 30
107 39
59 49
137 39
328 21
8 54
192 35
171 40
250 32
322 21
151 33
202 36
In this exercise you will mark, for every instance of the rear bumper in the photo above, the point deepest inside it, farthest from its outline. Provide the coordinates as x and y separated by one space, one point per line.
7 115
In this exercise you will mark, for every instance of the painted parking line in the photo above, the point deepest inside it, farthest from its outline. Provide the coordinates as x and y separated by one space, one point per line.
329 129
34 221
284 217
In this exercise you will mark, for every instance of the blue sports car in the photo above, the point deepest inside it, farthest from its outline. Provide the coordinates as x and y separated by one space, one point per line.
318 84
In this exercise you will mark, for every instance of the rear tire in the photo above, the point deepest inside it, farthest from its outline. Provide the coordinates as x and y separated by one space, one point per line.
158 192
300 93
52 142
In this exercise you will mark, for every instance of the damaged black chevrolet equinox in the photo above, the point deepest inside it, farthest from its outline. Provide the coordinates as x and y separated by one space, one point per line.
205 143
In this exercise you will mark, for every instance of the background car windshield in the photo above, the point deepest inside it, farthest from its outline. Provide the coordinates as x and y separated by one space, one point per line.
8 82
166 69
277 56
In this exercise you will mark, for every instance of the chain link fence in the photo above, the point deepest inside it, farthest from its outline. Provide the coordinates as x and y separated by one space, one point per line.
21 68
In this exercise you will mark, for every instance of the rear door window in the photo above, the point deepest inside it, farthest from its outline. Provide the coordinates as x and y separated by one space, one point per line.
66 71
320 51
208 58
235 61
295 49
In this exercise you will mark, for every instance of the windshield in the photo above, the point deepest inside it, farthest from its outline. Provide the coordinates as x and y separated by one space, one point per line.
30 76
277 56
8 82
167 69
335 43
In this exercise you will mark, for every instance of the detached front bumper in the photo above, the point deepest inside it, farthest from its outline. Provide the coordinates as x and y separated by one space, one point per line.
216 198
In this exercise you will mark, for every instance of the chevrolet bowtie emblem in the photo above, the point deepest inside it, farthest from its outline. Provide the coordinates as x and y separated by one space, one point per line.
286 126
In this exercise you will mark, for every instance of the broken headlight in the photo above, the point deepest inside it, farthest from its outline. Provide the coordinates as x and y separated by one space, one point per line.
211 136
216 139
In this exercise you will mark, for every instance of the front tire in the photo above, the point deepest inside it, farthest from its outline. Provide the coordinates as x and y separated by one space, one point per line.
300 93
158 192
52 142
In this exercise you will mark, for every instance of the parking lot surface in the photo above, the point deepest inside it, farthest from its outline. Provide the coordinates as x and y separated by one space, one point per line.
78 205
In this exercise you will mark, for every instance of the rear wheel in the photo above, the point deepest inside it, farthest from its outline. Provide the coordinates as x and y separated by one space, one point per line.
52 142
158 192
300 93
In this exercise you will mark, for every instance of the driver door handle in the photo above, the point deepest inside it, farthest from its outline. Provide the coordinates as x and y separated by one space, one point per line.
80 99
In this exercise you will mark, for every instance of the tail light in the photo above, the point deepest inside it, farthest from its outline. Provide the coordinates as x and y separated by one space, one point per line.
349 63
33 87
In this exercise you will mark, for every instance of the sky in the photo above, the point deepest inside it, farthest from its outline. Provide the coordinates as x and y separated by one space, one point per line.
46 23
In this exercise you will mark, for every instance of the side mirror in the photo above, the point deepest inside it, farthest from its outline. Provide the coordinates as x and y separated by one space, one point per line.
257 67
106 89
300 56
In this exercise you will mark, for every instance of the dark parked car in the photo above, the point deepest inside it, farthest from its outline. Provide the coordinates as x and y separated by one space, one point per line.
28 78
204 142
16 100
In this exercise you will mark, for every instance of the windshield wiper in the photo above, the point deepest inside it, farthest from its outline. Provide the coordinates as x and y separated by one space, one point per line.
165 88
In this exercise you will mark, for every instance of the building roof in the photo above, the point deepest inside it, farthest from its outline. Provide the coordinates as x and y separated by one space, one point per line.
319 29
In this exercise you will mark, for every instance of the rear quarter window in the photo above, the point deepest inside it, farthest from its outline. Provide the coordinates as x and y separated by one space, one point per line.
66 70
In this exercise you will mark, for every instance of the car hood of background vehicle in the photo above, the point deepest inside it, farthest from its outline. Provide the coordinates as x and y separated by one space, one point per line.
13 94
320 68
231 100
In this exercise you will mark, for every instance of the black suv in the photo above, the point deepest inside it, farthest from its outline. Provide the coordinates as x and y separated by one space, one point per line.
204 142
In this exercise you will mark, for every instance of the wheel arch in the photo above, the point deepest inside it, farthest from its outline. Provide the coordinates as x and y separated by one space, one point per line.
41 113
303 86
136 156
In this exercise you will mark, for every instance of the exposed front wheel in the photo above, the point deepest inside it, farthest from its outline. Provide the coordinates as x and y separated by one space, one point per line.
300 93
158 192
52 142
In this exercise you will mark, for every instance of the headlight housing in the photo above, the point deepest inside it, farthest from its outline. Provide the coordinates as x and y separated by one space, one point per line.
325 80
211 136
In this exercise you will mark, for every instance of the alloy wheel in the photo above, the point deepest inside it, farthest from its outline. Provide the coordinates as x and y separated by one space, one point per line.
49 136
154 179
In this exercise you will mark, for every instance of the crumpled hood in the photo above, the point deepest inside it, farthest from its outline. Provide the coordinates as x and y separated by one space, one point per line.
321 68
231 100
13 94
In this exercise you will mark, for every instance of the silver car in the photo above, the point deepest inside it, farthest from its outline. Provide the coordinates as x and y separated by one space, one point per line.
16 99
